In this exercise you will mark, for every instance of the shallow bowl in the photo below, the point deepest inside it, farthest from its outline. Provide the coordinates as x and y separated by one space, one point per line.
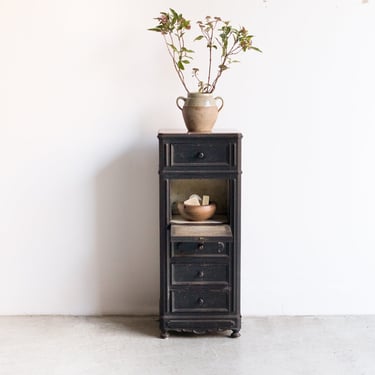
196 213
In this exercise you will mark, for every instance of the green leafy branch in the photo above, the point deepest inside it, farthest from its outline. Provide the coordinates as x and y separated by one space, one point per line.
218 34
230 40
173 27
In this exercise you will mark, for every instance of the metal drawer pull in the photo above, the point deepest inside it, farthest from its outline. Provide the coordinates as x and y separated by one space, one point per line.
200 155
201 246
200 301
200 274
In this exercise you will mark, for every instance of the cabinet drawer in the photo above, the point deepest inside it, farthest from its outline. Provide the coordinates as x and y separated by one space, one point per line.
202 154
194 273
200 300
200 249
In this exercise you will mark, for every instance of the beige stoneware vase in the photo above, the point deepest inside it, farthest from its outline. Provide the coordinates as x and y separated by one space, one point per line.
199 111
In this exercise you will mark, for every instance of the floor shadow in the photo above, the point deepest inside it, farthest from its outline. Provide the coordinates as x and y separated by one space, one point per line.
127 241
139 325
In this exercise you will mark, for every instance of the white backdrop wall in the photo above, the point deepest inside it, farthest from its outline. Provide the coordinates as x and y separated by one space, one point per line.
84 87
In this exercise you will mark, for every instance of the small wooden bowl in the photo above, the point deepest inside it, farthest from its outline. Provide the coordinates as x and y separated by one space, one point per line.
196 213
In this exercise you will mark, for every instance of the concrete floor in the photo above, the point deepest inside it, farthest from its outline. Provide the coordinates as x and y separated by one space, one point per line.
127 346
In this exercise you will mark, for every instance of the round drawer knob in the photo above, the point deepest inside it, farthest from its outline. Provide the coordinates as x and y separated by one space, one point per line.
200 274
200 155
200 301
220 247
201 246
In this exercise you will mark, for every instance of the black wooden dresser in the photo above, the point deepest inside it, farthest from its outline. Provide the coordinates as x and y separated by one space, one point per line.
200 261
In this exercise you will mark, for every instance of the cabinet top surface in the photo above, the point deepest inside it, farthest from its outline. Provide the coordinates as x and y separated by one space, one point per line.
184 133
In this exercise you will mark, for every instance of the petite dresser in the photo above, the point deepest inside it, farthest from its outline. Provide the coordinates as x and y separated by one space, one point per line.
200 261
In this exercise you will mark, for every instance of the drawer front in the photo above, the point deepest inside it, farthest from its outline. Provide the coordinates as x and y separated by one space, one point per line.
202 154
183 273
200 300
217 249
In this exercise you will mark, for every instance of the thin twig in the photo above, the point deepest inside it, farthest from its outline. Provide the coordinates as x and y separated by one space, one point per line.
172 55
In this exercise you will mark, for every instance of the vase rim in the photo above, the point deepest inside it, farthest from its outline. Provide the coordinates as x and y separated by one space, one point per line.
200 93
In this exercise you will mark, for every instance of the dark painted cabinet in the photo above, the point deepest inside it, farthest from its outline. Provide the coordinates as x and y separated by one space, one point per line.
200 261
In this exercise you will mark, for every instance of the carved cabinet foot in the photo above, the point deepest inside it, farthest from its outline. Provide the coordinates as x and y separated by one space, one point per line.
164 334
235 333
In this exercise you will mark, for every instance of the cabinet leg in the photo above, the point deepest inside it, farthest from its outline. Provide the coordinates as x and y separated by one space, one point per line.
164 334
235 333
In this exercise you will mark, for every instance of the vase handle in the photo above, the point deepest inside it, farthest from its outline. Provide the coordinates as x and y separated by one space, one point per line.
180 98
222 102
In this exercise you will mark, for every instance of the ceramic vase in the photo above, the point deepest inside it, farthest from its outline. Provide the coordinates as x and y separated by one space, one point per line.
199 111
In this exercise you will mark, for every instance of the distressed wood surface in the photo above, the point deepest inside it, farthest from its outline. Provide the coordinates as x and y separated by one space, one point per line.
201 231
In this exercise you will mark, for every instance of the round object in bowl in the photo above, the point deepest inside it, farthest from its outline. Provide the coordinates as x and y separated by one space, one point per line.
196 213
